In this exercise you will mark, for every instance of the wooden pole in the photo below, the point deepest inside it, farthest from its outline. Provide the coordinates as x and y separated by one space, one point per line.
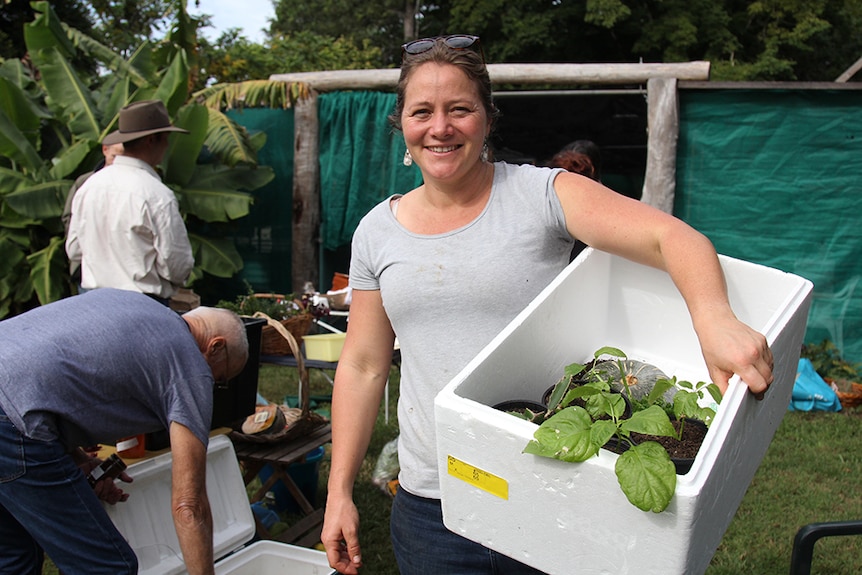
305 243
663 126
850 72
518 74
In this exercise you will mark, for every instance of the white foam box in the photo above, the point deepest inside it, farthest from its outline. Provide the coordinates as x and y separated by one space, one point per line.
145 521
572 517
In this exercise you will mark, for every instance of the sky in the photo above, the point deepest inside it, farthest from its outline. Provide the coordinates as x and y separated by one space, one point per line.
250 15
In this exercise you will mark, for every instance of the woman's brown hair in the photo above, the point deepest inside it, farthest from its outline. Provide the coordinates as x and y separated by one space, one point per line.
468 61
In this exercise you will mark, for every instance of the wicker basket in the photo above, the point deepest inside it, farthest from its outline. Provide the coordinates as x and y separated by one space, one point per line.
272 343
300 420
849 392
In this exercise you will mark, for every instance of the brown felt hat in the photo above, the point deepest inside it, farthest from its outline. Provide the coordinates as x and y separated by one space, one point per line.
141 119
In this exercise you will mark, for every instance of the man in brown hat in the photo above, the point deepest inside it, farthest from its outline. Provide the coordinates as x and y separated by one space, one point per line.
126 229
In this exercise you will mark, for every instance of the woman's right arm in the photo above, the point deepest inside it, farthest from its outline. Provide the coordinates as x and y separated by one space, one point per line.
363 370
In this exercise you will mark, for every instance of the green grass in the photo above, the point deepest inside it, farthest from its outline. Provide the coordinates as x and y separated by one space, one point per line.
811 473
373 504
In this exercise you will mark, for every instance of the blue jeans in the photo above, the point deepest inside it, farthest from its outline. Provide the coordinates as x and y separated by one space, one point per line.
47 504
423 545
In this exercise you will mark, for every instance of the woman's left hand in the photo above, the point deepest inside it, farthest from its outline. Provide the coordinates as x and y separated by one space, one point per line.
731 347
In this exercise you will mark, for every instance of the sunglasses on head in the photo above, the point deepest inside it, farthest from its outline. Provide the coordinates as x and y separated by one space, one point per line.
455 41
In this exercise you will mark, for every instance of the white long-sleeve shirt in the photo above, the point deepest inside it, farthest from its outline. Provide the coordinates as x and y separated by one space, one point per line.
127 232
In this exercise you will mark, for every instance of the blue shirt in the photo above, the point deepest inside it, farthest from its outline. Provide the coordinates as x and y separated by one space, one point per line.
100 366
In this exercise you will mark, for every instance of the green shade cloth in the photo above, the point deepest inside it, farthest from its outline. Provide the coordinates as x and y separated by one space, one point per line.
770 176
775 177
361 161
263 239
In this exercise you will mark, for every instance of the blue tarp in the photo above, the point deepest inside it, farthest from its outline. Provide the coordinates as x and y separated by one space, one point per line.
811 392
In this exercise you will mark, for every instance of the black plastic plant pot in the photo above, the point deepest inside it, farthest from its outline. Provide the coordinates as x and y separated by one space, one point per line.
519 405
519 408
616 445
683 465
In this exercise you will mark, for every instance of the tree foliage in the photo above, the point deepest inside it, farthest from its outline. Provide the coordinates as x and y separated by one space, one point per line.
15 13
233 58
807 40
361 23
52 118
124 24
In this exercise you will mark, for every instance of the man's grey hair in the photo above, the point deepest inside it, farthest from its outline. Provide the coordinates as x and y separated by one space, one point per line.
227 324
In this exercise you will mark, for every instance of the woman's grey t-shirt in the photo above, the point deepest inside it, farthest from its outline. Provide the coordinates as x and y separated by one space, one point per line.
447 295
97 367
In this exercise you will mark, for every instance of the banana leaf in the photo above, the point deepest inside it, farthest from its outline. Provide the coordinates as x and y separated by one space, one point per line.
15 145
46 30
48 271
14 71
69 98
229 141
39 200
173 90
216 256
21 110
110 59
184 149
70 158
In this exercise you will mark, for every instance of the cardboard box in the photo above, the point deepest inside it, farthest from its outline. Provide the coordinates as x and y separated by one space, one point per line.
324 346
572 517
184 300
145 521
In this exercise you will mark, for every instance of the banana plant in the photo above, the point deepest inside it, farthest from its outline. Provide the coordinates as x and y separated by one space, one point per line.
52 120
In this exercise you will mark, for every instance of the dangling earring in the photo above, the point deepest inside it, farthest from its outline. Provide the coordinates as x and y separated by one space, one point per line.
408 159
485 152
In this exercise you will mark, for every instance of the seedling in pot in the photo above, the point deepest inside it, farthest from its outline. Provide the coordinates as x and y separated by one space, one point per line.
523 409
645 472
686 399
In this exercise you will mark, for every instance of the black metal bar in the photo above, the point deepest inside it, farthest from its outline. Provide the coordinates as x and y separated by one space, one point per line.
807 536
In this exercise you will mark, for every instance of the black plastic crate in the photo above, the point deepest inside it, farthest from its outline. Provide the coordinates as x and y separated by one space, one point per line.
235 400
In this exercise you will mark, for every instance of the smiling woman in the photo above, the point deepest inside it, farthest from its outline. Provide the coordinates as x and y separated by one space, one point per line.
472 246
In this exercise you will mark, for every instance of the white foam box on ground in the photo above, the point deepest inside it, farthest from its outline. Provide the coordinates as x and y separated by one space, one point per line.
145 521
565 518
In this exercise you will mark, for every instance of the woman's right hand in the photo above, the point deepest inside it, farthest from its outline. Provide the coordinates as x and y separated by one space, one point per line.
340 536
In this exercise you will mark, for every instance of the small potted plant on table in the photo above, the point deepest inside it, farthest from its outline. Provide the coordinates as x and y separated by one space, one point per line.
296 314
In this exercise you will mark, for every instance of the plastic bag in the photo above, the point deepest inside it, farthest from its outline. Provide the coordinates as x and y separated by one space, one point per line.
810 392
387 467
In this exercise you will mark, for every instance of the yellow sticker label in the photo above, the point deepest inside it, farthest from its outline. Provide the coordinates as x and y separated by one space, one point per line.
478 478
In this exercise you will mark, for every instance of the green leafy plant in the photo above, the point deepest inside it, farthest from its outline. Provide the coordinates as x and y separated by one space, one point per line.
687 399
575 433
276 306
827 361
54 113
